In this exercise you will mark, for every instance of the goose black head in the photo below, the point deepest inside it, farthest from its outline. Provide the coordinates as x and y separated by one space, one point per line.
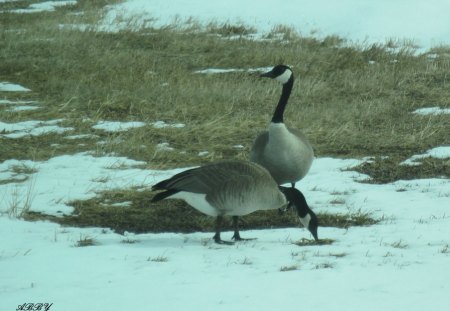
281 73
306 216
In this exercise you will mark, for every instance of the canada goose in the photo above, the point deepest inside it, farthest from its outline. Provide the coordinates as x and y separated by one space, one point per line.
286 153
232 188
306 216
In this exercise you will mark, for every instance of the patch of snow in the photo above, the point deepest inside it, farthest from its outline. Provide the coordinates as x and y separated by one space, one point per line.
46 6
31 128
432 56
228 70
70 177
442 152
16 102
38 131
162 124
217 70
426 24
11 87
7 171
81 136
203 153
23 108
432 111
164 147
117 126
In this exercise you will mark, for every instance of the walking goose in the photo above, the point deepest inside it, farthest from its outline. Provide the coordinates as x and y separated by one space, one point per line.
286 153
233 188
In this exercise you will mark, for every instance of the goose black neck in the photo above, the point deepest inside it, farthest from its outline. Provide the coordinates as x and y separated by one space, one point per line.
279 110
296 197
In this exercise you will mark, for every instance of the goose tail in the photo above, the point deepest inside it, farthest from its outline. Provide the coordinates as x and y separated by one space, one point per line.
163 185
163 195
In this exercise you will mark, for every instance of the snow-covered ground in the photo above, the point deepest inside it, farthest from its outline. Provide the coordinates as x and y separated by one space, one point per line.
402 263
426 23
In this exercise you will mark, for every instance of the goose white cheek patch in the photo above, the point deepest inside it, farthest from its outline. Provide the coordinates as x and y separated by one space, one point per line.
283 78
305 220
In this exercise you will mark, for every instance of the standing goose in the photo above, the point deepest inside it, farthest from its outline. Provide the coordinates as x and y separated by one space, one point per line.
286 153
218 189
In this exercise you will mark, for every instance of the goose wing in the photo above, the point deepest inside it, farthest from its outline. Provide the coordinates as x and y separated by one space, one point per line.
257 151
208 178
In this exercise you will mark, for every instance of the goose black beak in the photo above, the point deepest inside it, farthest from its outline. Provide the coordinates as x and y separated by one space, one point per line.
314 234
267 75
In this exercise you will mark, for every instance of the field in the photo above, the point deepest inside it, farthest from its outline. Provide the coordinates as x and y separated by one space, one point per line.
107 112
351 101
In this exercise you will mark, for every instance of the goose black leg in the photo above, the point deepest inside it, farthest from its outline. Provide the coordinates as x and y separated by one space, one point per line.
216 236
237 236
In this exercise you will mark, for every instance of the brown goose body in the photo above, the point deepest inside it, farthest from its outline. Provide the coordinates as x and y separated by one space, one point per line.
285 152
233 188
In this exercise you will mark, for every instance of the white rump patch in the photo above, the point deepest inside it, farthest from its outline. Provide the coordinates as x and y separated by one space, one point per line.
305 220
197 201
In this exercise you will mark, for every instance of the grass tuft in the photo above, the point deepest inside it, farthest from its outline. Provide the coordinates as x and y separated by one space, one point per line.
399 244
160 258
445 249
289 268
85 241
308 242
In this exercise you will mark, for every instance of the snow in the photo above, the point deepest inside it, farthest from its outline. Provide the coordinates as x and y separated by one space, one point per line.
442 152
62 179
46 6
81 136
425 23
230 70
20 105
401 263
163 124
119 126
116 126
432 111
164 147
11 87
17 102
33 128
23 108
